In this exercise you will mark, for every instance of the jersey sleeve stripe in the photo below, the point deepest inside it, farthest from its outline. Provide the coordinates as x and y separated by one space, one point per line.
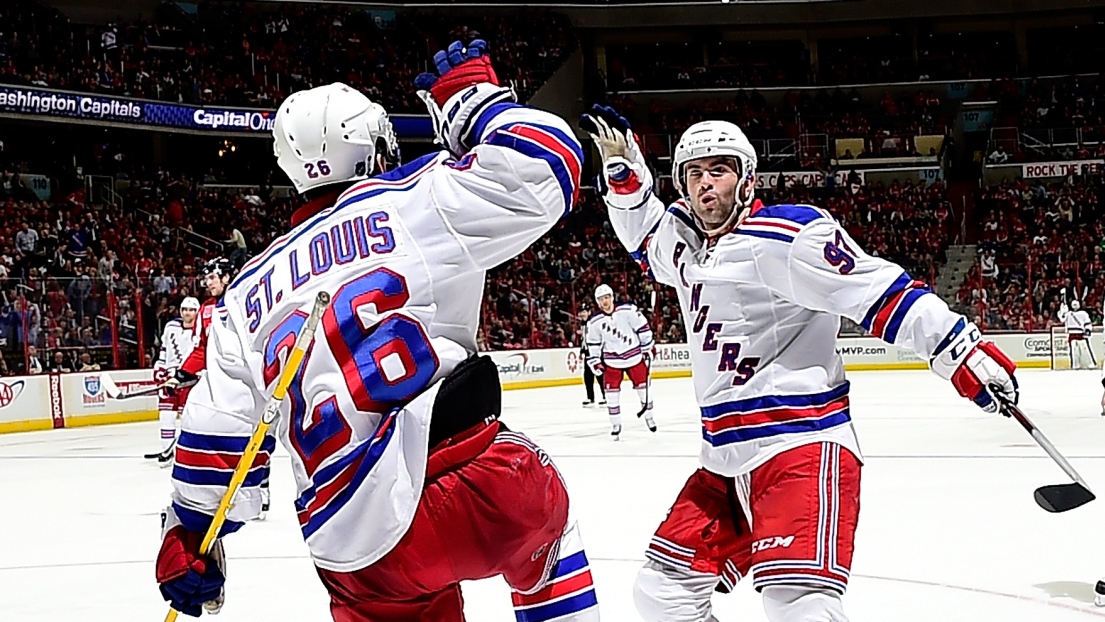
562 153
483 118
895 323
196 521
224 444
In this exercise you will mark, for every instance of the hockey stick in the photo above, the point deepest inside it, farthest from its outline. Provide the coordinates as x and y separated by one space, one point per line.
158 454
1057 497
648 384
268 416
115 393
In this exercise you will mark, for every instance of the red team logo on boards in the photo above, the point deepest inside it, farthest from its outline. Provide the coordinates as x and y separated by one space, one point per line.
10 391
573 360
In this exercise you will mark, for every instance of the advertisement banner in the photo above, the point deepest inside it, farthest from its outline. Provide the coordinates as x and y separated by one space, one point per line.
768 180
25 404
1038 170
49 104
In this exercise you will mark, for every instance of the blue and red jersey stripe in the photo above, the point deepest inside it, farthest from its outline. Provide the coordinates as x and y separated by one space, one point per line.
884 318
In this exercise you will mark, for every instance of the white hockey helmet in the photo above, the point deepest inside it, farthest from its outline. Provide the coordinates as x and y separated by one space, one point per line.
603 290
709 139
1075 305
329 135
190 303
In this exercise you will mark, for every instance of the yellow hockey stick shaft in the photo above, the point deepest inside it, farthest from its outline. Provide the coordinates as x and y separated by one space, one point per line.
268 416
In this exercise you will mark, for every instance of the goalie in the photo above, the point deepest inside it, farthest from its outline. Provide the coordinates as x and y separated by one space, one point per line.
1079 328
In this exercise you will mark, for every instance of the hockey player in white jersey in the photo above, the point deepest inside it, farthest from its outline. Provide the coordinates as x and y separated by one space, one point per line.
178 339
619 344
407 482
1079 328
762 290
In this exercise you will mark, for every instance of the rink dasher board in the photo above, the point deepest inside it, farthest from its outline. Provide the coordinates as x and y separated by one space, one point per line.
52 401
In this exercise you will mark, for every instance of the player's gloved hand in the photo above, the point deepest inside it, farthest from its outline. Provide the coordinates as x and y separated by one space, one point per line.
978 369
626 179
464 86
598 368
188 580
180 378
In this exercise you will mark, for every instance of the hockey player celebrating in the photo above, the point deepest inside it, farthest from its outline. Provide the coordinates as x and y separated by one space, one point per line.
762 290
178 339
407 482
1079 328
619 343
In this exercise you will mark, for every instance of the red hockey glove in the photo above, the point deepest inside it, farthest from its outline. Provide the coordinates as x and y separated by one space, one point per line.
188 580
978 369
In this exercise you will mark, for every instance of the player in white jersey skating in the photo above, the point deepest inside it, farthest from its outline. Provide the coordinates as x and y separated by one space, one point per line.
178 339
1079 328
762 290
407 482
619 344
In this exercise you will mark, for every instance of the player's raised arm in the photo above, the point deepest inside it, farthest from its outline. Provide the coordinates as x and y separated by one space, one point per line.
813 261
516 170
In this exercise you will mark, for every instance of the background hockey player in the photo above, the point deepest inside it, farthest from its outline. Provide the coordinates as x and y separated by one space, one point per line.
178 339
619 343
1079 328
407 482
762 290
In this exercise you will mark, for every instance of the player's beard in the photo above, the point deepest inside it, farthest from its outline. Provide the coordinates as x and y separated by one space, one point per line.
721 214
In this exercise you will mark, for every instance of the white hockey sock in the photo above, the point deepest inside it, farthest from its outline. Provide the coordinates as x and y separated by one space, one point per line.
642 394
168 428
614 406
793 603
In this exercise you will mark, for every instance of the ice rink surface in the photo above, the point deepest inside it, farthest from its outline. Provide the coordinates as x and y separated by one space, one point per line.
948 530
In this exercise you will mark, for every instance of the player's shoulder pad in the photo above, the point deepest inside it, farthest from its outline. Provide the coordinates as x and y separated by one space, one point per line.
625 306
681 212
796 214
173 322
594 316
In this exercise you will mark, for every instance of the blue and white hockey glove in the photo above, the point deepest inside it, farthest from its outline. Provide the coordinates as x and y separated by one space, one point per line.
626 180
978 369
464 86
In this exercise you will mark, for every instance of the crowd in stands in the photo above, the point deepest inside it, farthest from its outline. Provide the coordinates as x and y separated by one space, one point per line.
1040 245
887 125
1061 119
234 53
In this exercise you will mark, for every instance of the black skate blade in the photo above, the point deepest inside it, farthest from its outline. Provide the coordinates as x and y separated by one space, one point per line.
1063 497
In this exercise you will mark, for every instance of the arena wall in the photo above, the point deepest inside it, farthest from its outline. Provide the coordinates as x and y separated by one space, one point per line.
54 401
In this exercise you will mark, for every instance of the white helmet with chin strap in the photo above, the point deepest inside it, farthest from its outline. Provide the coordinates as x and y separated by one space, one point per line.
715 139
330 134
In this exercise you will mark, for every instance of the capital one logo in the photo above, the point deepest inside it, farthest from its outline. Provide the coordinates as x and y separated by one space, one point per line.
771 543
10 391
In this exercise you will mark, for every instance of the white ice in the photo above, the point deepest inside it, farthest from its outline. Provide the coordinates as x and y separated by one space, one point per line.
948 530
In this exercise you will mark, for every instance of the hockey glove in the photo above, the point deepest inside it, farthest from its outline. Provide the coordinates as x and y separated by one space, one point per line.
189 581
978 369
465 86
598 368
626 181
180 379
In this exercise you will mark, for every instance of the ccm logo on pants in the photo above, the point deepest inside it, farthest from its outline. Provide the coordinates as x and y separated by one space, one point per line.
771 543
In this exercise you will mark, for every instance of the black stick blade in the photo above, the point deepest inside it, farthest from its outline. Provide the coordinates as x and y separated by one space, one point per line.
1063 497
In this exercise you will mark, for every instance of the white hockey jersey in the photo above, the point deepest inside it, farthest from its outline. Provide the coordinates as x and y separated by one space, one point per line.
762 307
404 256
177 342
620 338
1078 323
